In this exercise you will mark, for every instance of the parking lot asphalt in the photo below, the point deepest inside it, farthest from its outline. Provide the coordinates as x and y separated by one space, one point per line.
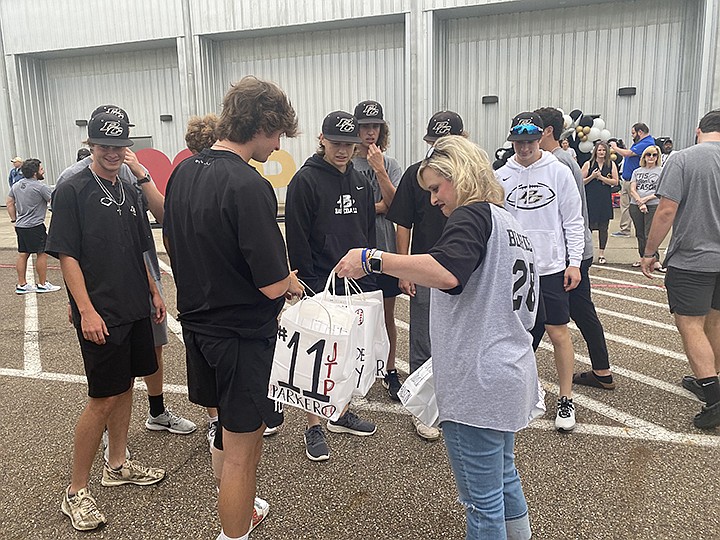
635 467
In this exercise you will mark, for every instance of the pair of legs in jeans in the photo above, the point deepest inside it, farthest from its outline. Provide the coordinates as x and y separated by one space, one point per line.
483 463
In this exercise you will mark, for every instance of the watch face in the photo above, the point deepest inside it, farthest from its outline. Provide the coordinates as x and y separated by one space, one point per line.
376 265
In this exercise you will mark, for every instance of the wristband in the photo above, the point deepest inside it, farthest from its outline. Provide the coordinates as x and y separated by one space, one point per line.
364 261
144 180
649 256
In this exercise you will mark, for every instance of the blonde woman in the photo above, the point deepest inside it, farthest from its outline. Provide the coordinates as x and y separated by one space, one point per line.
483 304
643 201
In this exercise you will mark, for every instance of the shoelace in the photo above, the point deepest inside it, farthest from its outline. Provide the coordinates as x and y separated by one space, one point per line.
314 436
135 467
89 507
565 408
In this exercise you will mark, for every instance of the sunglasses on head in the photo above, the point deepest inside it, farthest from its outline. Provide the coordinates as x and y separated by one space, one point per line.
530 129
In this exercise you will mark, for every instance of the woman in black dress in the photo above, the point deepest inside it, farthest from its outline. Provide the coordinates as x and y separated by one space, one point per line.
600 174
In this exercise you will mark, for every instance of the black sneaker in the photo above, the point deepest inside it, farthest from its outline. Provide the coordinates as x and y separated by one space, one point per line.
708 417
690 383
316 447
353 424
391 381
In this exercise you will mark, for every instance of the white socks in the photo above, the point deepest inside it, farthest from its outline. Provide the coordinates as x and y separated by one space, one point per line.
223 536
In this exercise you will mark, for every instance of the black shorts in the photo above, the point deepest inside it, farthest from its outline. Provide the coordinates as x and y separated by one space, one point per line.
31 239
692 293
388 285
128 352
556 299
232 374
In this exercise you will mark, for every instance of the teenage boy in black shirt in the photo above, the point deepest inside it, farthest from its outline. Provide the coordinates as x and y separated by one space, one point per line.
230 267
99 235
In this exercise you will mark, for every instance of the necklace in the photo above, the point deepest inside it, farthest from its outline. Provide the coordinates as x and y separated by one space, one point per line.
109 199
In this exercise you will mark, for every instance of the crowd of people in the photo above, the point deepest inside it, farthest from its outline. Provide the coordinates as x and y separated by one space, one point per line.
490 259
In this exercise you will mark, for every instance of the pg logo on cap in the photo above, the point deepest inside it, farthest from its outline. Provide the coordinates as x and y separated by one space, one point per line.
371 109
112 128
442 128
346 125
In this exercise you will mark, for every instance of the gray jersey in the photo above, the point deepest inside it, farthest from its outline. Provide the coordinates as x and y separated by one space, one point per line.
566 159
692 179
384 229
31 199
483 362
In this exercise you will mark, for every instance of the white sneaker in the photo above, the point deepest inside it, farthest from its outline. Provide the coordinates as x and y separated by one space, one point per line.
169 421
106 451
428 433
269 431
261 509
565 419
24 289
46 287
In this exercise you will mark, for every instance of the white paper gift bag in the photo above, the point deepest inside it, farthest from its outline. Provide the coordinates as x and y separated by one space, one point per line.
314 361
417 394
373 344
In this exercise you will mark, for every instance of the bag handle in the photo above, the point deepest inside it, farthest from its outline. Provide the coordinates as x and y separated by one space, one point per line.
330 288
315 300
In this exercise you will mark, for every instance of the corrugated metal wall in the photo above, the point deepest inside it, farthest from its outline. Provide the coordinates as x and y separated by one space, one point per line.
577 58
322 72
145 84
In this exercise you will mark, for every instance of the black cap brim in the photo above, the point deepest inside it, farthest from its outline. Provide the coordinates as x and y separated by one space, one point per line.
524 137
112 142
343 138
371 121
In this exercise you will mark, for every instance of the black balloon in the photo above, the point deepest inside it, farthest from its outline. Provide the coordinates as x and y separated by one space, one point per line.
586 121
575 114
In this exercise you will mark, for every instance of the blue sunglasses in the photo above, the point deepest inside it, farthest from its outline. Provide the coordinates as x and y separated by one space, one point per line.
530 129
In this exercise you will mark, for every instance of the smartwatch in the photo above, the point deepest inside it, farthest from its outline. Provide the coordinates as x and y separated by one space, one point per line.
375 261
144 180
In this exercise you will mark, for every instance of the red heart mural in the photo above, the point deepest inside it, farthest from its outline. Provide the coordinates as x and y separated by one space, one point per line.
159 166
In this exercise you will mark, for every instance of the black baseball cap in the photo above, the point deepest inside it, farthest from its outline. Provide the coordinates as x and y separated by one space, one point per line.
109 129
113 109
83 153
443 123
526 126
341 126
369 112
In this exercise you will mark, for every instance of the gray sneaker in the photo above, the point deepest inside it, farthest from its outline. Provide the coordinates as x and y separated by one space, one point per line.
106 450
353 424
169 421
82 510
131 472
316 447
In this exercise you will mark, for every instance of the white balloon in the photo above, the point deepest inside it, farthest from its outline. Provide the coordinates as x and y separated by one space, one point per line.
599 123
585 147
605 135
594 134
567 121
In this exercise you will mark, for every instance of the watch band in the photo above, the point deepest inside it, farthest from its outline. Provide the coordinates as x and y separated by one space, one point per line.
144 180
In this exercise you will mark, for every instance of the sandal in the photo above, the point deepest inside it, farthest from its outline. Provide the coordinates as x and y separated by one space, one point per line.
636 264
601 260
588 378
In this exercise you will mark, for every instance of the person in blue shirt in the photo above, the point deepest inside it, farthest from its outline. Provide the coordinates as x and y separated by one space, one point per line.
15 172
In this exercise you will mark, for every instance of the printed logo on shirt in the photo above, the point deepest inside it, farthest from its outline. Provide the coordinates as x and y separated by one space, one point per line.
531 197
345 205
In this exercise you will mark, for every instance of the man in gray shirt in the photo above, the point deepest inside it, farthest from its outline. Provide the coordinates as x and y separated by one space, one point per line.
27 205
689 191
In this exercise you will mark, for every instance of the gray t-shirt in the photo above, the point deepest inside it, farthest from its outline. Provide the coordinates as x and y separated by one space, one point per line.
646 183
566 159
384 229
31 201
692 179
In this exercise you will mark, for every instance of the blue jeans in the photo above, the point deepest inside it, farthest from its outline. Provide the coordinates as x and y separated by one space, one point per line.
483 464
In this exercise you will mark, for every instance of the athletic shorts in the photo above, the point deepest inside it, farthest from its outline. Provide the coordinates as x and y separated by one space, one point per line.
388 285
232 374
692 293
128 352
160 334
556 299
31 239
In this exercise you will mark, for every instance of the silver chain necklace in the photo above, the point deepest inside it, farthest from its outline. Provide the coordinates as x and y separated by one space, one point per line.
108 196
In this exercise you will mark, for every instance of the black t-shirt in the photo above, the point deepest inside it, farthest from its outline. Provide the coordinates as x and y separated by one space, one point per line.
224 245
411 209
108 244
463 243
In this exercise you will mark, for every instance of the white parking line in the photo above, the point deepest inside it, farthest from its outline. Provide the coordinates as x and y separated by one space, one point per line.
595 268
629 283
630 299
638 320
31 342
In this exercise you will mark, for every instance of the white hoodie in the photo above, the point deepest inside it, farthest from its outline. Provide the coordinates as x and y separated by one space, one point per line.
544 199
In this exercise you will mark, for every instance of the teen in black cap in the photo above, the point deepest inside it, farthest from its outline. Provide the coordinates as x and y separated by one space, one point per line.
384 174
329 209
